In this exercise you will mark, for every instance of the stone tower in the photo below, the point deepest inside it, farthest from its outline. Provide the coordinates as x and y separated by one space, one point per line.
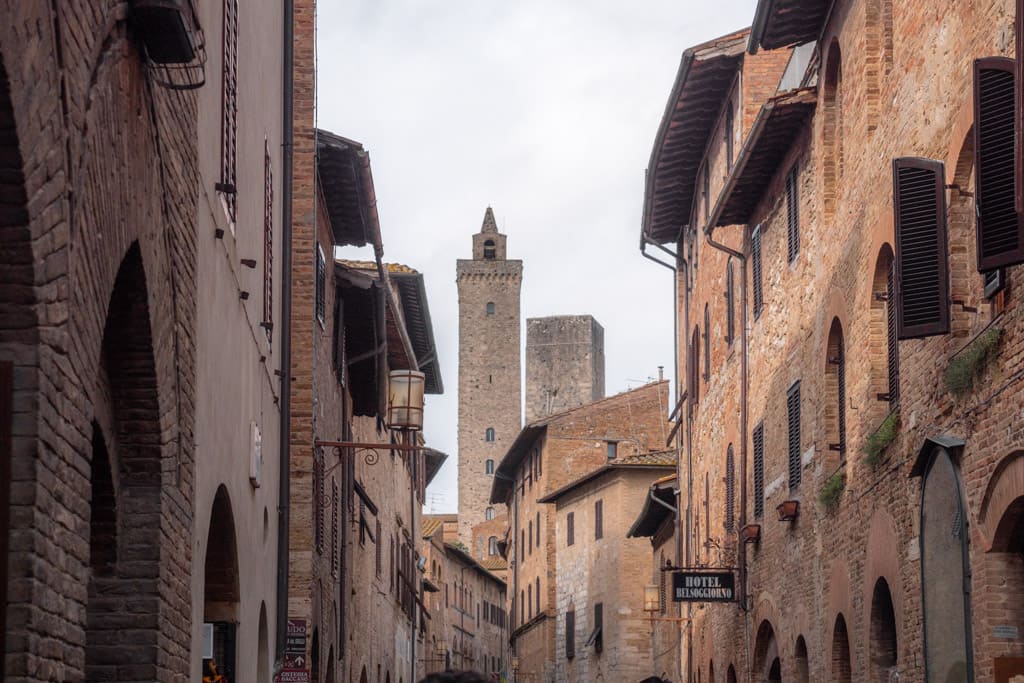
490 403
564 364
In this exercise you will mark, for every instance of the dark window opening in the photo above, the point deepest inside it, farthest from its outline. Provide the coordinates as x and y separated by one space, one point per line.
489 250
756 274
793 419
758 440
792 214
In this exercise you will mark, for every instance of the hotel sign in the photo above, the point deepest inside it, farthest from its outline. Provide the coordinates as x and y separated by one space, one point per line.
703 586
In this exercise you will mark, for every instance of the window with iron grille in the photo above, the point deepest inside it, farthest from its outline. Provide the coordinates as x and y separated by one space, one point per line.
1000 228
792 214
570 634
793 419
892 341
922 254
268 241
759 470
318 499
570 528
707 344
755 271
730 491
321 284
730 303
229 110
598 519
335 503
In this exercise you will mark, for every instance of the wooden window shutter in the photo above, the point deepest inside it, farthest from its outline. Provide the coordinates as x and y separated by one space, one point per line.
529 541
729 519
922 253
758 470
378 549
755 269
1019 101
999 226
707 509
841 383
570 529
538 530
695 367
570 634
730 303
598 519
340 362
793 420
229 109
892 341
268 241
707 344
321 284
318 499
792 214
335 504
536 593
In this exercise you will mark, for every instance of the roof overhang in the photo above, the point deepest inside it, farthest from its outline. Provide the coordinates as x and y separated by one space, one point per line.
413 293
658 506
554 496
953 445
434 459
780 121
343 170
468 559
783 23
702 84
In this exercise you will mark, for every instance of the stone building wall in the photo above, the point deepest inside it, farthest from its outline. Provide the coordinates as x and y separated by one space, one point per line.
489 369
564 364
817 587
98 241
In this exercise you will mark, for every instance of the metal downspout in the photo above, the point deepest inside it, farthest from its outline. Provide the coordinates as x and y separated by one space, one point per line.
284 474
741 553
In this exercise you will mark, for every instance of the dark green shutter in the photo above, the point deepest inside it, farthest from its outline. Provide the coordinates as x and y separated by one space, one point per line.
793 420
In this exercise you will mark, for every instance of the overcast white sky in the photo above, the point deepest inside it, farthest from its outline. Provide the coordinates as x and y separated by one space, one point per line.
545 110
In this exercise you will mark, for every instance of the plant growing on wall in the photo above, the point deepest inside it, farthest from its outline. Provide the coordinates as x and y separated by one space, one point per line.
832 490
876 443
967 366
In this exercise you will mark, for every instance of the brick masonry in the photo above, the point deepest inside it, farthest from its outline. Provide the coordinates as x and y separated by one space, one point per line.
817 585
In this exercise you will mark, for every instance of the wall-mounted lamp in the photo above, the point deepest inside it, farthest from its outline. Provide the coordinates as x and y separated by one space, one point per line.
405 400
652 599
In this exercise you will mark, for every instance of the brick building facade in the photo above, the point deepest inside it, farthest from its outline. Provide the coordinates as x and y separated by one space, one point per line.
490 401
601 630
545 456
852 340
98 240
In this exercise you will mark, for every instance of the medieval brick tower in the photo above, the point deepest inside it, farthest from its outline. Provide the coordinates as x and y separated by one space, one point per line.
489 369
564 364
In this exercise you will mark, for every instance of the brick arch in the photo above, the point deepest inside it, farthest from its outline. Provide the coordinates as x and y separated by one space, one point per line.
882 563
766 651
834 372
832 128
882 343
1002 507
841 667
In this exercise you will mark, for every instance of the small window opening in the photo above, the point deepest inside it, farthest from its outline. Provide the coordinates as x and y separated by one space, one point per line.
613 449
489 251
489 435
489 466
490 308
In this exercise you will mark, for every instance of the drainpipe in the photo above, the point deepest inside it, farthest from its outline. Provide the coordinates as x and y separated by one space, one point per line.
283 494
744 415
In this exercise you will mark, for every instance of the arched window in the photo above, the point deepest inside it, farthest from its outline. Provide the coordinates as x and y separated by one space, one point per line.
878 60
730 303
490 308
492 545
729 518
883 646
802 666
885 362
841 669
489 435
489 514
489 466
835 392
832 130
707 344
489 251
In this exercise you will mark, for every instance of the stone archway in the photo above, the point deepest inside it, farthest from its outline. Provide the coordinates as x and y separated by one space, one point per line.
767 660
841 664
883 644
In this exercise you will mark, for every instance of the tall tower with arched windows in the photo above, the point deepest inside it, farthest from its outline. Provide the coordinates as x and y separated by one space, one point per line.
490 404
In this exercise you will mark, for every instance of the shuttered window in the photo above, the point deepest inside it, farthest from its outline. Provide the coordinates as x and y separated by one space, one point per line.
999 226
229 110
892 341
840 361
335 504
922 264
340 362
755 268
793 428
538 530
529 538
570 528
570 634
792 214
707 509
268 241
759 470
707 192
597 637
728 136
730 303
729 519
536 593
707 344
994 281
378 550
1019 91
318 499
321 284
598 519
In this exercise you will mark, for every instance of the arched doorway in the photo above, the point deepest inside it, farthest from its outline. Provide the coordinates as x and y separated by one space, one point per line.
944 571
841 667
125 485
730 675
767 664
883 645
263 663
221 589
801 665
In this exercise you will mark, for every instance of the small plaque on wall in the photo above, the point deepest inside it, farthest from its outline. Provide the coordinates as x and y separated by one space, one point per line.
1006 632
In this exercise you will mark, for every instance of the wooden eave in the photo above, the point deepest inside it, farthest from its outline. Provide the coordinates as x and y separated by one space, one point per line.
784 23
343 171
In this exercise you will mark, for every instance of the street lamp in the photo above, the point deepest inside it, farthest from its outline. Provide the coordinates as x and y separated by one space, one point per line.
405 400
652 599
